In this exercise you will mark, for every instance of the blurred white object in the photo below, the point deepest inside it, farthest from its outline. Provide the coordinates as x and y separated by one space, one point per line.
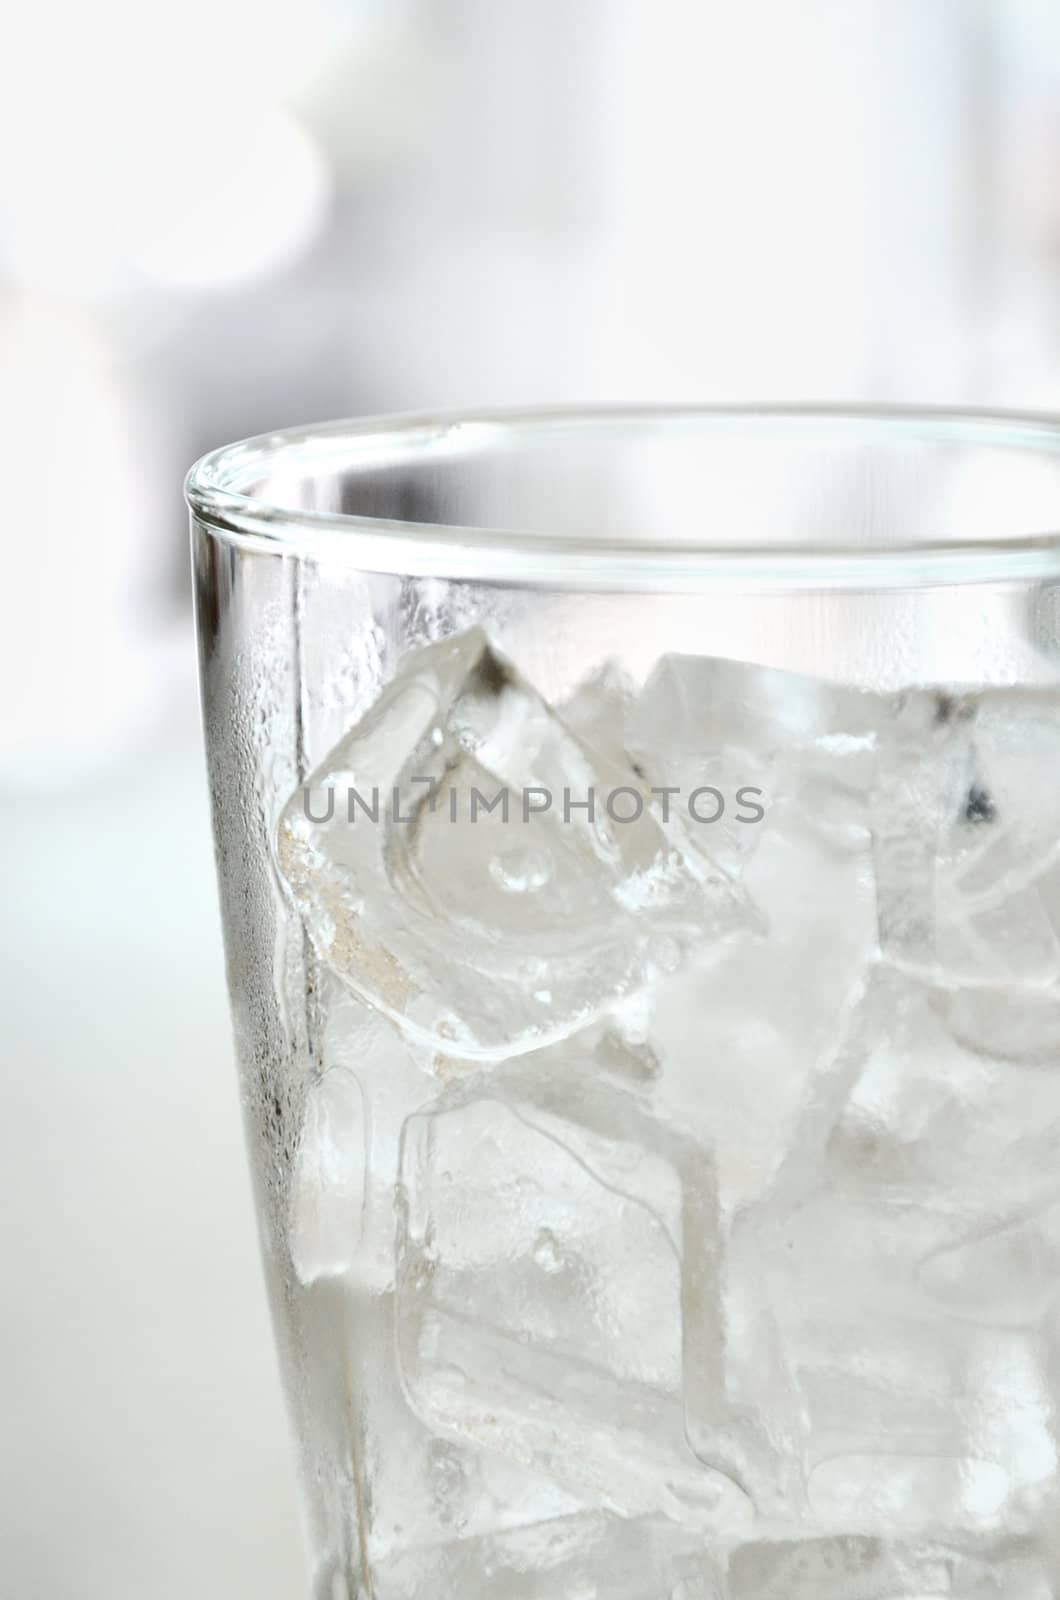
189 231
170 128
79 648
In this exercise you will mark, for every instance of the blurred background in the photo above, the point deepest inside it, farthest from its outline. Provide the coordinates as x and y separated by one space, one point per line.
219 218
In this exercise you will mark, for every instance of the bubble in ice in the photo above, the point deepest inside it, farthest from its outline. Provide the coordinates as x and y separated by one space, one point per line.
462 885
547 1251
521 870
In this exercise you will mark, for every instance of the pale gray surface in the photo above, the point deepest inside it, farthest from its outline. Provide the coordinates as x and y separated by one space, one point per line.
144 1450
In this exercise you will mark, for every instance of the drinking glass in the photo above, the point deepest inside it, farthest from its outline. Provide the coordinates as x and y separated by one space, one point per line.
638 836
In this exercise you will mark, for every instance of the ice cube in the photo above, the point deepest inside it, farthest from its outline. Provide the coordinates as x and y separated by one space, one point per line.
852 1568
913 1417
921 792
446 867
392 1483
589 1557
967 830
598 712
366 1082
733 726
558 1258
330 1178
935 1121
1007 1277
745 1036
1017 1023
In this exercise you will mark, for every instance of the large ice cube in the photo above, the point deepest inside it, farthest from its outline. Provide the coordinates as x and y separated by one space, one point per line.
447 868
967 831
558 1271
733 726
924 1403
741 1033
745 1036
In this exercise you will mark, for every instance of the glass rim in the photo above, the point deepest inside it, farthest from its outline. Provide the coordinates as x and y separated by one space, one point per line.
496 554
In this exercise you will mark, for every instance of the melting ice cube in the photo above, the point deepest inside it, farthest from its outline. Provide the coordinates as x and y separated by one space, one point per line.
924 1398
481 874
752 733
558 1262
744 1035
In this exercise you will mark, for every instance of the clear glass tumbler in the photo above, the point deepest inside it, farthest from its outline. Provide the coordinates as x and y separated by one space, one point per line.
639 848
